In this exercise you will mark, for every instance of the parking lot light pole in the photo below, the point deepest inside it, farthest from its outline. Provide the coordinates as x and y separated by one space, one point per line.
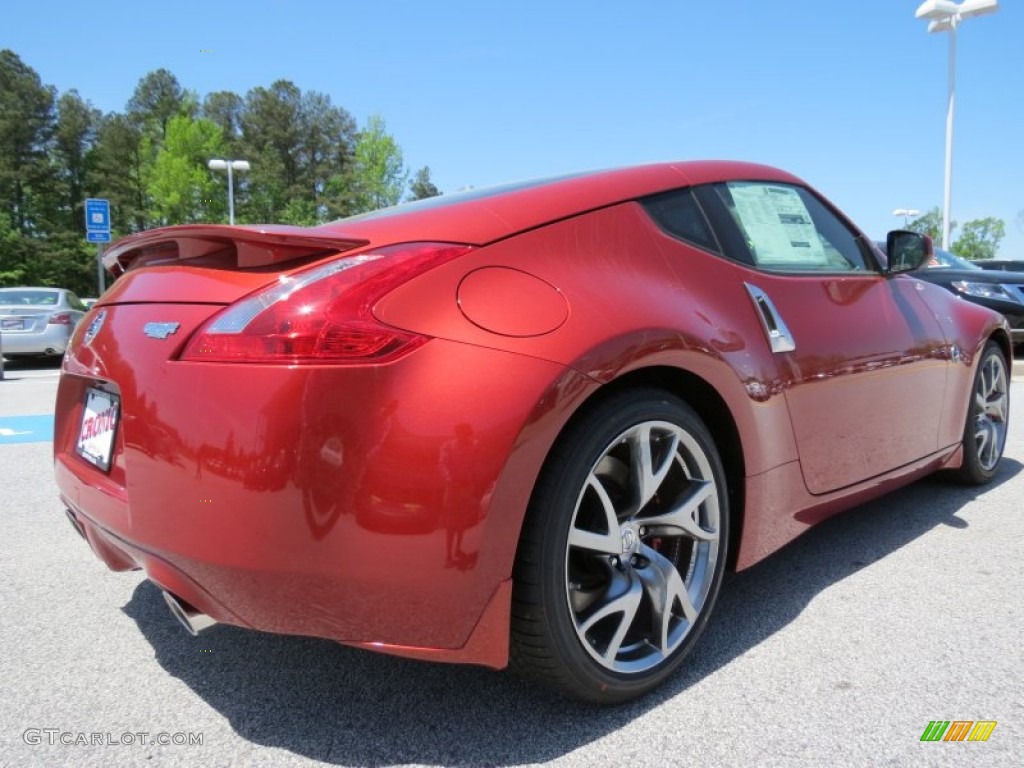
906 213
237 165
945 16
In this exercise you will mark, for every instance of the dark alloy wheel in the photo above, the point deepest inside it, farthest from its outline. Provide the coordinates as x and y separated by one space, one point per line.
623 549
987 417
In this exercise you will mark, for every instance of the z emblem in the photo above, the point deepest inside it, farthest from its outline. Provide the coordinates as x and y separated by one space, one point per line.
160 330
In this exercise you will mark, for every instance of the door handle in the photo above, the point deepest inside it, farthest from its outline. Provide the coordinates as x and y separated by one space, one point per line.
775 327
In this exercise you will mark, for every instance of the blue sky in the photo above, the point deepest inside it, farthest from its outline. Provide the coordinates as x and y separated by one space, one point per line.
852 97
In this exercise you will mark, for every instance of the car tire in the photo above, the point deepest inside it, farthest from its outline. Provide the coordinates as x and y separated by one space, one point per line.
987 417
622 551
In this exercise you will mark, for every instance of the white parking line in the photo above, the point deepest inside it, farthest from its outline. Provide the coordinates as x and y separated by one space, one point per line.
31 374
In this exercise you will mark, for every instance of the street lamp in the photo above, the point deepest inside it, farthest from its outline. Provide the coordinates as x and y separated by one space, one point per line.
943 16
237 165
906 213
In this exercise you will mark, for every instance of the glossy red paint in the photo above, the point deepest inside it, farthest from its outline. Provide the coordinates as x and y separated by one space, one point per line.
330 500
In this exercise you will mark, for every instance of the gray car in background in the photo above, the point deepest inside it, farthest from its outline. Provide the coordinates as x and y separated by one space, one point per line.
37 322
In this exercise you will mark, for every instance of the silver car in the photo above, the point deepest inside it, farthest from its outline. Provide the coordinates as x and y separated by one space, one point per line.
37 321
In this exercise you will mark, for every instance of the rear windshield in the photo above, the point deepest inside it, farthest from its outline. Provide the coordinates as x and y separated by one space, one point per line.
29 298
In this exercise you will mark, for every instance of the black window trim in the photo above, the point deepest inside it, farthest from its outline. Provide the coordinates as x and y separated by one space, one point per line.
650 200
729 238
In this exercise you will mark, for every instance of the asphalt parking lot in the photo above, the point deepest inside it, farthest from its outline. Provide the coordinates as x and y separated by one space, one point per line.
839 650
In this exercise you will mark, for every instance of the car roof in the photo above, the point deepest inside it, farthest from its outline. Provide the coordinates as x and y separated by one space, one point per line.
484 215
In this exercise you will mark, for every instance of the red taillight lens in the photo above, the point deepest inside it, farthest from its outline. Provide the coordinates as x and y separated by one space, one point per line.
59 318
322 315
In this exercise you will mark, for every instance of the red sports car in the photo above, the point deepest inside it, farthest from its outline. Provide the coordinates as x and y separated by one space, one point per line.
528 425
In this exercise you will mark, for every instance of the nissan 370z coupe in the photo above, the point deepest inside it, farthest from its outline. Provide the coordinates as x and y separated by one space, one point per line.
526 426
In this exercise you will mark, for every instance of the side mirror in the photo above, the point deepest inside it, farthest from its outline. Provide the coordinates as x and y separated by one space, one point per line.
908 250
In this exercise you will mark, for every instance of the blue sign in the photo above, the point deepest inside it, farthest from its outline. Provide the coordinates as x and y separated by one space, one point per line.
97 217
97 237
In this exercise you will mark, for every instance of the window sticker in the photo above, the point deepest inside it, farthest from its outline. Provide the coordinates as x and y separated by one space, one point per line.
779 228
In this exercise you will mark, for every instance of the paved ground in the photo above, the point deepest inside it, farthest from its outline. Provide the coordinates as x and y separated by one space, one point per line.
837 651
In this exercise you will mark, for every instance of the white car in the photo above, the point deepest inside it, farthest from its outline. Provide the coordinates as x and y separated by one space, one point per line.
37 321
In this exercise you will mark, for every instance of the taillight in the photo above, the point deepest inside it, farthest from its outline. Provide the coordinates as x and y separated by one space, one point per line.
322 315
60 318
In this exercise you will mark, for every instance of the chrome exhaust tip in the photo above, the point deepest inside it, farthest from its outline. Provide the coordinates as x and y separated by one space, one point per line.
193 621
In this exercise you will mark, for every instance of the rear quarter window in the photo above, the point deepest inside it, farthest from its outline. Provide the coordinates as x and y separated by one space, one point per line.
679 215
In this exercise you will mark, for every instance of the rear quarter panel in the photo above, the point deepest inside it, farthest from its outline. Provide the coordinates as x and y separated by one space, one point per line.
636 299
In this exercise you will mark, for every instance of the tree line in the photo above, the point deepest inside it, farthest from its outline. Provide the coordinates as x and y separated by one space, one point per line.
978 238
309 163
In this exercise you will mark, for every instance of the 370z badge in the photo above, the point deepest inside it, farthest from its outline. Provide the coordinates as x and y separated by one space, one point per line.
160 330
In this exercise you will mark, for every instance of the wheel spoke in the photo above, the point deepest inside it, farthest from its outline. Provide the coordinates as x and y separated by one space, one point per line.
623 598
683 518
989 438
648 478
981 401
606 542
664 587
982 438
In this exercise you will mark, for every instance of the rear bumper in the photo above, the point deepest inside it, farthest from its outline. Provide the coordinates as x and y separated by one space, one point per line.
486 645
320 502
52 341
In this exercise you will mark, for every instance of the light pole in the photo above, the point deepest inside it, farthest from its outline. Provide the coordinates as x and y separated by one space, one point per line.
906 213
944 15
238 165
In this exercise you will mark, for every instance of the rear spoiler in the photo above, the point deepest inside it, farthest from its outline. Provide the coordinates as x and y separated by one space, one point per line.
224 247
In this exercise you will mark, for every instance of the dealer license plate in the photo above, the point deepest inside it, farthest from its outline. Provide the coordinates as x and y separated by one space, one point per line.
99 425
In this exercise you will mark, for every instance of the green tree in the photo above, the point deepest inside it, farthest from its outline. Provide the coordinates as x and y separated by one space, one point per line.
157 98
15 258
327 142
421 187
930 224
301 213
379 173
308 164
26 133
119 170
181 187
270 141
979 238
225 108
300 145
73 157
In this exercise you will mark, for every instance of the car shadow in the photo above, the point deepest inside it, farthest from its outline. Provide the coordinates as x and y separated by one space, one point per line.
11 368
349 707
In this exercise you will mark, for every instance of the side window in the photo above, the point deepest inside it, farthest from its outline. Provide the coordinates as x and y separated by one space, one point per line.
788 229
678 213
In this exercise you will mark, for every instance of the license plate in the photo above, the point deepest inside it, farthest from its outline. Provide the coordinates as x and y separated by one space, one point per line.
12 324
99 425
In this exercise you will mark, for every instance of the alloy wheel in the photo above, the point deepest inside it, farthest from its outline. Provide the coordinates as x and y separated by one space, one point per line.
991 400
642 548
